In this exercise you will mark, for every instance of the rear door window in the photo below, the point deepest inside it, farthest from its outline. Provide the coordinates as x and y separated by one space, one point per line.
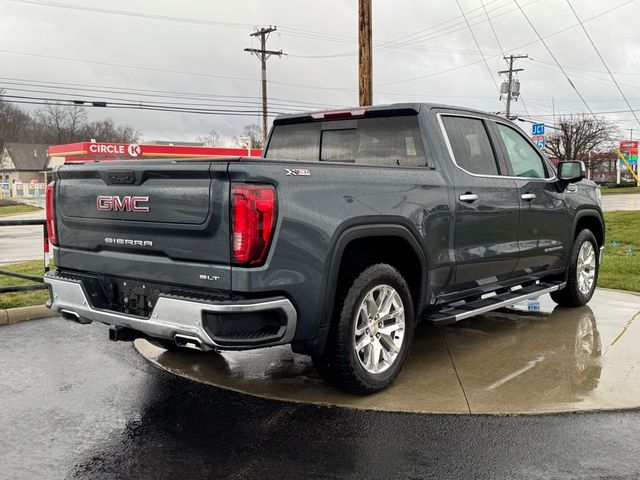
470 145
389 141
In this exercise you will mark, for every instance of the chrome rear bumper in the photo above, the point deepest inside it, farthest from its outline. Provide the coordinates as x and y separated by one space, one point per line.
171 317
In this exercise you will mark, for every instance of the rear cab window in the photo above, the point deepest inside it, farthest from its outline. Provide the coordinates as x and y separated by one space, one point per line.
383 141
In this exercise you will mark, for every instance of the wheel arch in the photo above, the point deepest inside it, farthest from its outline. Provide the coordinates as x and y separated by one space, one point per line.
591 219
370 229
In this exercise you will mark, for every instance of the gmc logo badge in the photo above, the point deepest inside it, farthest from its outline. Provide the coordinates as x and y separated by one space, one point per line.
128 203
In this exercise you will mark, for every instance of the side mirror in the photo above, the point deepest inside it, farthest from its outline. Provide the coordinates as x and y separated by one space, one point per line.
572 171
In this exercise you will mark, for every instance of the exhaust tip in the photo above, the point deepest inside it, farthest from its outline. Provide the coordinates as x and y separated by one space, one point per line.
73 316
189 342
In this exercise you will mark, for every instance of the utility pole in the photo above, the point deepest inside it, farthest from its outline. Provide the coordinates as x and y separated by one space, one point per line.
510 88
263 55
364 52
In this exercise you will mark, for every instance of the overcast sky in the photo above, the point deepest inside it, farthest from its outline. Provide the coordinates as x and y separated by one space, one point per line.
423 52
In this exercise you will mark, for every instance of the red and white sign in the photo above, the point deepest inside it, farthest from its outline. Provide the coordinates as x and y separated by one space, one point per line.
91 151
133 150
106 148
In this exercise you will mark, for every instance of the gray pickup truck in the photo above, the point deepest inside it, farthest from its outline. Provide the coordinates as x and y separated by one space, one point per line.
353 226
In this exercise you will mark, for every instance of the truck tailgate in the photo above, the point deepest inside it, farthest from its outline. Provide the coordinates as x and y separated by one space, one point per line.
165 216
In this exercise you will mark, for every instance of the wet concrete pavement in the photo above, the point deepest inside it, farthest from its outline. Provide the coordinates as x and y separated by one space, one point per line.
513 360
74 405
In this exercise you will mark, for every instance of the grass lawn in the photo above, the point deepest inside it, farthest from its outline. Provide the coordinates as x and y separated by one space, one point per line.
9 207
616 191
22 299
619 269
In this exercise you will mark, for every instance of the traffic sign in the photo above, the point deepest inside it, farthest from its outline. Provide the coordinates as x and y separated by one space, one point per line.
540 144
537 129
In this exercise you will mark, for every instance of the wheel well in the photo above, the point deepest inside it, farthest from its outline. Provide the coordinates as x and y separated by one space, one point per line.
395 251
593 224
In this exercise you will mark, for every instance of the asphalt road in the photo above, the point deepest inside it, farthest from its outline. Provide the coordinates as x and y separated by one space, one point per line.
74 405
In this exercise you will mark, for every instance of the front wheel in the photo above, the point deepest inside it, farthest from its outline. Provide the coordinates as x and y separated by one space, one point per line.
583 272
371 331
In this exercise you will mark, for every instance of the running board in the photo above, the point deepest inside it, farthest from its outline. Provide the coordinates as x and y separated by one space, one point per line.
460 310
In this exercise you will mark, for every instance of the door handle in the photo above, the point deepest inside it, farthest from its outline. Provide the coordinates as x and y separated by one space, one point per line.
528 196
468 197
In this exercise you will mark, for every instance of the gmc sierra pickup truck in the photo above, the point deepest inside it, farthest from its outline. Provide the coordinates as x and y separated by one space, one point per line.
353 226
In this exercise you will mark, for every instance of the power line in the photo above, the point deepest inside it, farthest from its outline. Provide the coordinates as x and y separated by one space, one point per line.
147 92
125 105
589 78
457 27
478 45
555 59
519 47
315 87
602 60
75 95
495 35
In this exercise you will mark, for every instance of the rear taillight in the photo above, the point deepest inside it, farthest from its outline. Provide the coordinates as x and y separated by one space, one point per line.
51 214
253 210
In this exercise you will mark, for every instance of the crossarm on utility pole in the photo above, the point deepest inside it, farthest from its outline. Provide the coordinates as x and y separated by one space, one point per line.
263 55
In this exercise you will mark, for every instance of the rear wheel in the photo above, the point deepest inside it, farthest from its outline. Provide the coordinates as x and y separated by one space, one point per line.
371 331
583 272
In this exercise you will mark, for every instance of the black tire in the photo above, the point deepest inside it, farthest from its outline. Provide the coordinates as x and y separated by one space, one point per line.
340 364
571 295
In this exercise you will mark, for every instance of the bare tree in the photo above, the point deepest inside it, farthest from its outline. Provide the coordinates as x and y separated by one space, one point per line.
251 137
15 124
211 139
107 131
576 136
57 123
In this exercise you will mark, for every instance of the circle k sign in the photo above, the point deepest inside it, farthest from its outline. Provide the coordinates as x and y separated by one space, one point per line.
133 150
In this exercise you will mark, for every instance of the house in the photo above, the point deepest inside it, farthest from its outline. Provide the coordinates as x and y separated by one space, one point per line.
24 162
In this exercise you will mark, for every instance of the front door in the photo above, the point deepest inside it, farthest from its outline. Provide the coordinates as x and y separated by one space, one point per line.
543 236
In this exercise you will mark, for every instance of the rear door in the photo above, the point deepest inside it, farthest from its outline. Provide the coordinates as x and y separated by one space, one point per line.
486 203
544 223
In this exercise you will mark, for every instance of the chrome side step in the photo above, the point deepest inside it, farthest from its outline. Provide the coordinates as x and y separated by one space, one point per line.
460 310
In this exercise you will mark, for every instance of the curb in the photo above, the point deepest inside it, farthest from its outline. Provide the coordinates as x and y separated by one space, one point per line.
11 316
